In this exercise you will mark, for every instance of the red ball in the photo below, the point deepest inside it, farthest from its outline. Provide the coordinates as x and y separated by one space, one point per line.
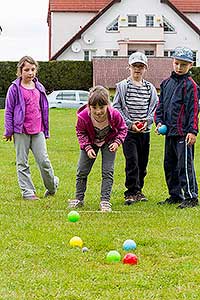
139 125
130 259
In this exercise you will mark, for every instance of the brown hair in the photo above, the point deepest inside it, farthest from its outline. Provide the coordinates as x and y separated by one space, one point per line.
21 63
98 95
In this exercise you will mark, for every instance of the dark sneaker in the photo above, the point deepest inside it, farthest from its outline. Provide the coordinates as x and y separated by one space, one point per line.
130 200
47 193
75 203
188 203
140 196
170 200
105 206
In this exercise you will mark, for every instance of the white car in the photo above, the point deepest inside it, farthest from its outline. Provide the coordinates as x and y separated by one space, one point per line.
67 98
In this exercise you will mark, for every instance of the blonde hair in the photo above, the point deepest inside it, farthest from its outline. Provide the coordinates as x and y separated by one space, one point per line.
98 96
22 61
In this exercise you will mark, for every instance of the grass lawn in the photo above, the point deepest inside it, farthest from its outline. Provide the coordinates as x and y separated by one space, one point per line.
36 260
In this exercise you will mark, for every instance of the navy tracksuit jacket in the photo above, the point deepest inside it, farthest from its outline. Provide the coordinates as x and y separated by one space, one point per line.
178 109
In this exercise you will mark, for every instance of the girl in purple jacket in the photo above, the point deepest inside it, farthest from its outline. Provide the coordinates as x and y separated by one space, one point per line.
26 121
99 127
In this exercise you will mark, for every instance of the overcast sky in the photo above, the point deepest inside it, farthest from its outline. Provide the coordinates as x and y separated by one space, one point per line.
25 29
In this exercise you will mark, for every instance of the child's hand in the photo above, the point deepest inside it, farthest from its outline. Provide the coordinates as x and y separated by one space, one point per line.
137 128
158 126
91 153
113 147
7 138
190 139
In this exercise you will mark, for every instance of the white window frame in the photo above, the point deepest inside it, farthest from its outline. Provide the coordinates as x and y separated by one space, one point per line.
150 20
168 25
132 23
113 26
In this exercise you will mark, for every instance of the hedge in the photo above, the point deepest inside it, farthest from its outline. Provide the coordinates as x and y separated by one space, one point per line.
58 75
53 74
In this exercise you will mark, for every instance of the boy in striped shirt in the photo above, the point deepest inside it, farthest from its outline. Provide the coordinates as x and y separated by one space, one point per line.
136 100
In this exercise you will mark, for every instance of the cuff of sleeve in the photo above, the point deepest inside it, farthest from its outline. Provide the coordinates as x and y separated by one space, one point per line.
88 147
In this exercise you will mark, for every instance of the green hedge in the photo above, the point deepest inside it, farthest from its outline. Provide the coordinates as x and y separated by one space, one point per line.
53 74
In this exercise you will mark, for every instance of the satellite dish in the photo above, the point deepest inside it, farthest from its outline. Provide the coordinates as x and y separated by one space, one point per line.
76 47
88 39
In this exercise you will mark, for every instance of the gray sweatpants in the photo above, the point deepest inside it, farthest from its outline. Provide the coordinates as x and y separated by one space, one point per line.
84 167
37 143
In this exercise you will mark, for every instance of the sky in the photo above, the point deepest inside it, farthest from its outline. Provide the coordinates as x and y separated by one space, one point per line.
24 29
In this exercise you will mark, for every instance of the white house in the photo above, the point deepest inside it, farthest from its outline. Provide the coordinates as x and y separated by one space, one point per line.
82 29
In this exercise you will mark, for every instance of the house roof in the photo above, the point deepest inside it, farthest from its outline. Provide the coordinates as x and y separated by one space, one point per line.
107 71
109 3
186 6
96 5
77 5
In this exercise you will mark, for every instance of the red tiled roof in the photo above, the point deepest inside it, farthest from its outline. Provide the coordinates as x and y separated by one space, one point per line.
187 5
107 71
77 5
96 5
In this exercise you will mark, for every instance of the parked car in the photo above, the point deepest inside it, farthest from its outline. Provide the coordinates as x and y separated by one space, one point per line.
67 98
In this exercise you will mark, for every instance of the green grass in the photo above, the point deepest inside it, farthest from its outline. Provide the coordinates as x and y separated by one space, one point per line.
36 261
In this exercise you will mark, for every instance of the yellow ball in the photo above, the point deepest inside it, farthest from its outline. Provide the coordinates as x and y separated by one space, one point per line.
76 242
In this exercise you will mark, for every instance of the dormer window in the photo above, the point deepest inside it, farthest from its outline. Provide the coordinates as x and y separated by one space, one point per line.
168 27
113 26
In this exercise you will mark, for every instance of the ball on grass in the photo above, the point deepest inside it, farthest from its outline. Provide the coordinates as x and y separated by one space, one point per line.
113 256
130 259
73 216
129 245
76 242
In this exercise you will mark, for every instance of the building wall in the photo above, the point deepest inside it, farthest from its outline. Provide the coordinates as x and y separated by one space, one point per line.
183 36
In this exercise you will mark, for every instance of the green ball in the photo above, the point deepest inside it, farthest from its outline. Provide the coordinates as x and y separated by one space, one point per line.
73 216
113 256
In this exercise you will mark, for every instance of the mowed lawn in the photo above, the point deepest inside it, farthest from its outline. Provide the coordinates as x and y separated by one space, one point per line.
36 260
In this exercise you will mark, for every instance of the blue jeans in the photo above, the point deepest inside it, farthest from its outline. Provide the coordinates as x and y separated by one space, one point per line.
84 167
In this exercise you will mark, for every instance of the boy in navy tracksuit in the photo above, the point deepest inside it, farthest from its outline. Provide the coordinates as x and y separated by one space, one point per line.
178 109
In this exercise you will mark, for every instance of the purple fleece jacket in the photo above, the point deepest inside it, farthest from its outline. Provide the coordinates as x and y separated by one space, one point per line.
15 108
85 129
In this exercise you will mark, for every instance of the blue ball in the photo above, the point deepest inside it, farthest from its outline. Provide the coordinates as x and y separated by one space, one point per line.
162 129
129 245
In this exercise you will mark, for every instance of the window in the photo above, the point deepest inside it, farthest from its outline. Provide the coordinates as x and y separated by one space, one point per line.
113 26
132 21
195 57
168 53
83 96
88 54
149 52
66 96
149 21
111 53
131 51
167 26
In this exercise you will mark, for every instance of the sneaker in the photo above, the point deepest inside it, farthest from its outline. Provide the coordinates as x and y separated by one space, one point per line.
31 198
47 193
188 203
105 206
75 203
170 200
130 200
140 196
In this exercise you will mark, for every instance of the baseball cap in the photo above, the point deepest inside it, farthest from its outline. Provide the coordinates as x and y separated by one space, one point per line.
183 53
138 57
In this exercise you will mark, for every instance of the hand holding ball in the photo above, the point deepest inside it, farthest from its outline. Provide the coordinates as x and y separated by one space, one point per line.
162 129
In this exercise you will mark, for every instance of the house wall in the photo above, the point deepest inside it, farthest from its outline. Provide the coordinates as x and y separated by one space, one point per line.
65 25
195 18
184 35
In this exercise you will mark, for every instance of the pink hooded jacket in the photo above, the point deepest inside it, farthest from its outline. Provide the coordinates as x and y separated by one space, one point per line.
85 130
